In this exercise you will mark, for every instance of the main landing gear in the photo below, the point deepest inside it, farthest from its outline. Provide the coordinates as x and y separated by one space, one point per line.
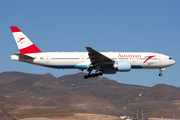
160 70
93 75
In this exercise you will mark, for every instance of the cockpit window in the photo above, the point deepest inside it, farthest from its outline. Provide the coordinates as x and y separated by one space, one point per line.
170 58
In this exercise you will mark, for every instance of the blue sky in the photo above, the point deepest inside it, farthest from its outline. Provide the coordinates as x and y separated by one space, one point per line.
123 26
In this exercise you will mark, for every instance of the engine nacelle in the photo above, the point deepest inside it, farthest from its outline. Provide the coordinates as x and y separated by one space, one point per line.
122 66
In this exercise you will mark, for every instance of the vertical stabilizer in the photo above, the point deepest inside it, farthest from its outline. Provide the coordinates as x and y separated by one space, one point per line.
23 42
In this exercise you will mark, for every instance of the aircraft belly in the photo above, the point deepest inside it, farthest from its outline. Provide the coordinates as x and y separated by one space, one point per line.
64 64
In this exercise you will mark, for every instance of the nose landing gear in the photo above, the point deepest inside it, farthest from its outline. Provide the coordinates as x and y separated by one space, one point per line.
161 69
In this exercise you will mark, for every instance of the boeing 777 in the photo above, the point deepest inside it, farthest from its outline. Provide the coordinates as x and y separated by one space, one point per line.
100 62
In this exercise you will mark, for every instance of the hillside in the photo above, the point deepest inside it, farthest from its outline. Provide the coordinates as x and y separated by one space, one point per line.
6 106
161 92
95 95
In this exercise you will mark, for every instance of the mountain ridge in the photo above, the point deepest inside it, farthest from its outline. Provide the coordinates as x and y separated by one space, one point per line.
95 95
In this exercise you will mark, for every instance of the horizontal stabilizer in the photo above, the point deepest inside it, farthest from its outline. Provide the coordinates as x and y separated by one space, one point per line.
24 56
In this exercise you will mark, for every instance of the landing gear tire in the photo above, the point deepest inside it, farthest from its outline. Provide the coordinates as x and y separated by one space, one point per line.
92 75
89 75
96 74
86 77
160 74
100 74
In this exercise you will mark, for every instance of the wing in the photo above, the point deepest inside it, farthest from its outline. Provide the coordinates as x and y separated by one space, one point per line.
98 59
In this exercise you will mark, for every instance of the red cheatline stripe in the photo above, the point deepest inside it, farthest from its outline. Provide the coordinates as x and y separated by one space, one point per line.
15 29
30 49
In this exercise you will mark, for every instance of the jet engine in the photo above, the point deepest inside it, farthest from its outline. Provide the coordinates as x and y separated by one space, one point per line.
122 66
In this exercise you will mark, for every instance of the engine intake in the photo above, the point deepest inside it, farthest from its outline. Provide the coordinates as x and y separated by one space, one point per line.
122 66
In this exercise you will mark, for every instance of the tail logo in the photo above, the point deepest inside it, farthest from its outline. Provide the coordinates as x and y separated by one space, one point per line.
20 39
148 57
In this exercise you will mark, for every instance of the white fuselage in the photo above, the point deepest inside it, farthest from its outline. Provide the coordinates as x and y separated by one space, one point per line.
80 60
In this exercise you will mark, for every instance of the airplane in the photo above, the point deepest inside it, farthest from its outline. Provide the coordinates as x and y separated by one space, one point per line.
100 62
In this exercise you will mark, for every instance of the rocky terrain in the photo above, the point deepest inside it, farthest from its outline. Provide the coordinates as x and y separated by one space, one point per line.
75 94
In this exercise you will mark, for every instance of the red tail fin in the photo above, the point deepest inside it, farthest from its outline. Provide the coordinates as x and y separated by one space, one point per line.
23 42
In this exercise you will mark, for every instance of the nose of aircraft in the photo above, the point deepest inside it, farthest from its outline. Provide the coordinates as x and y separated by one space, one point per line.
172 62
